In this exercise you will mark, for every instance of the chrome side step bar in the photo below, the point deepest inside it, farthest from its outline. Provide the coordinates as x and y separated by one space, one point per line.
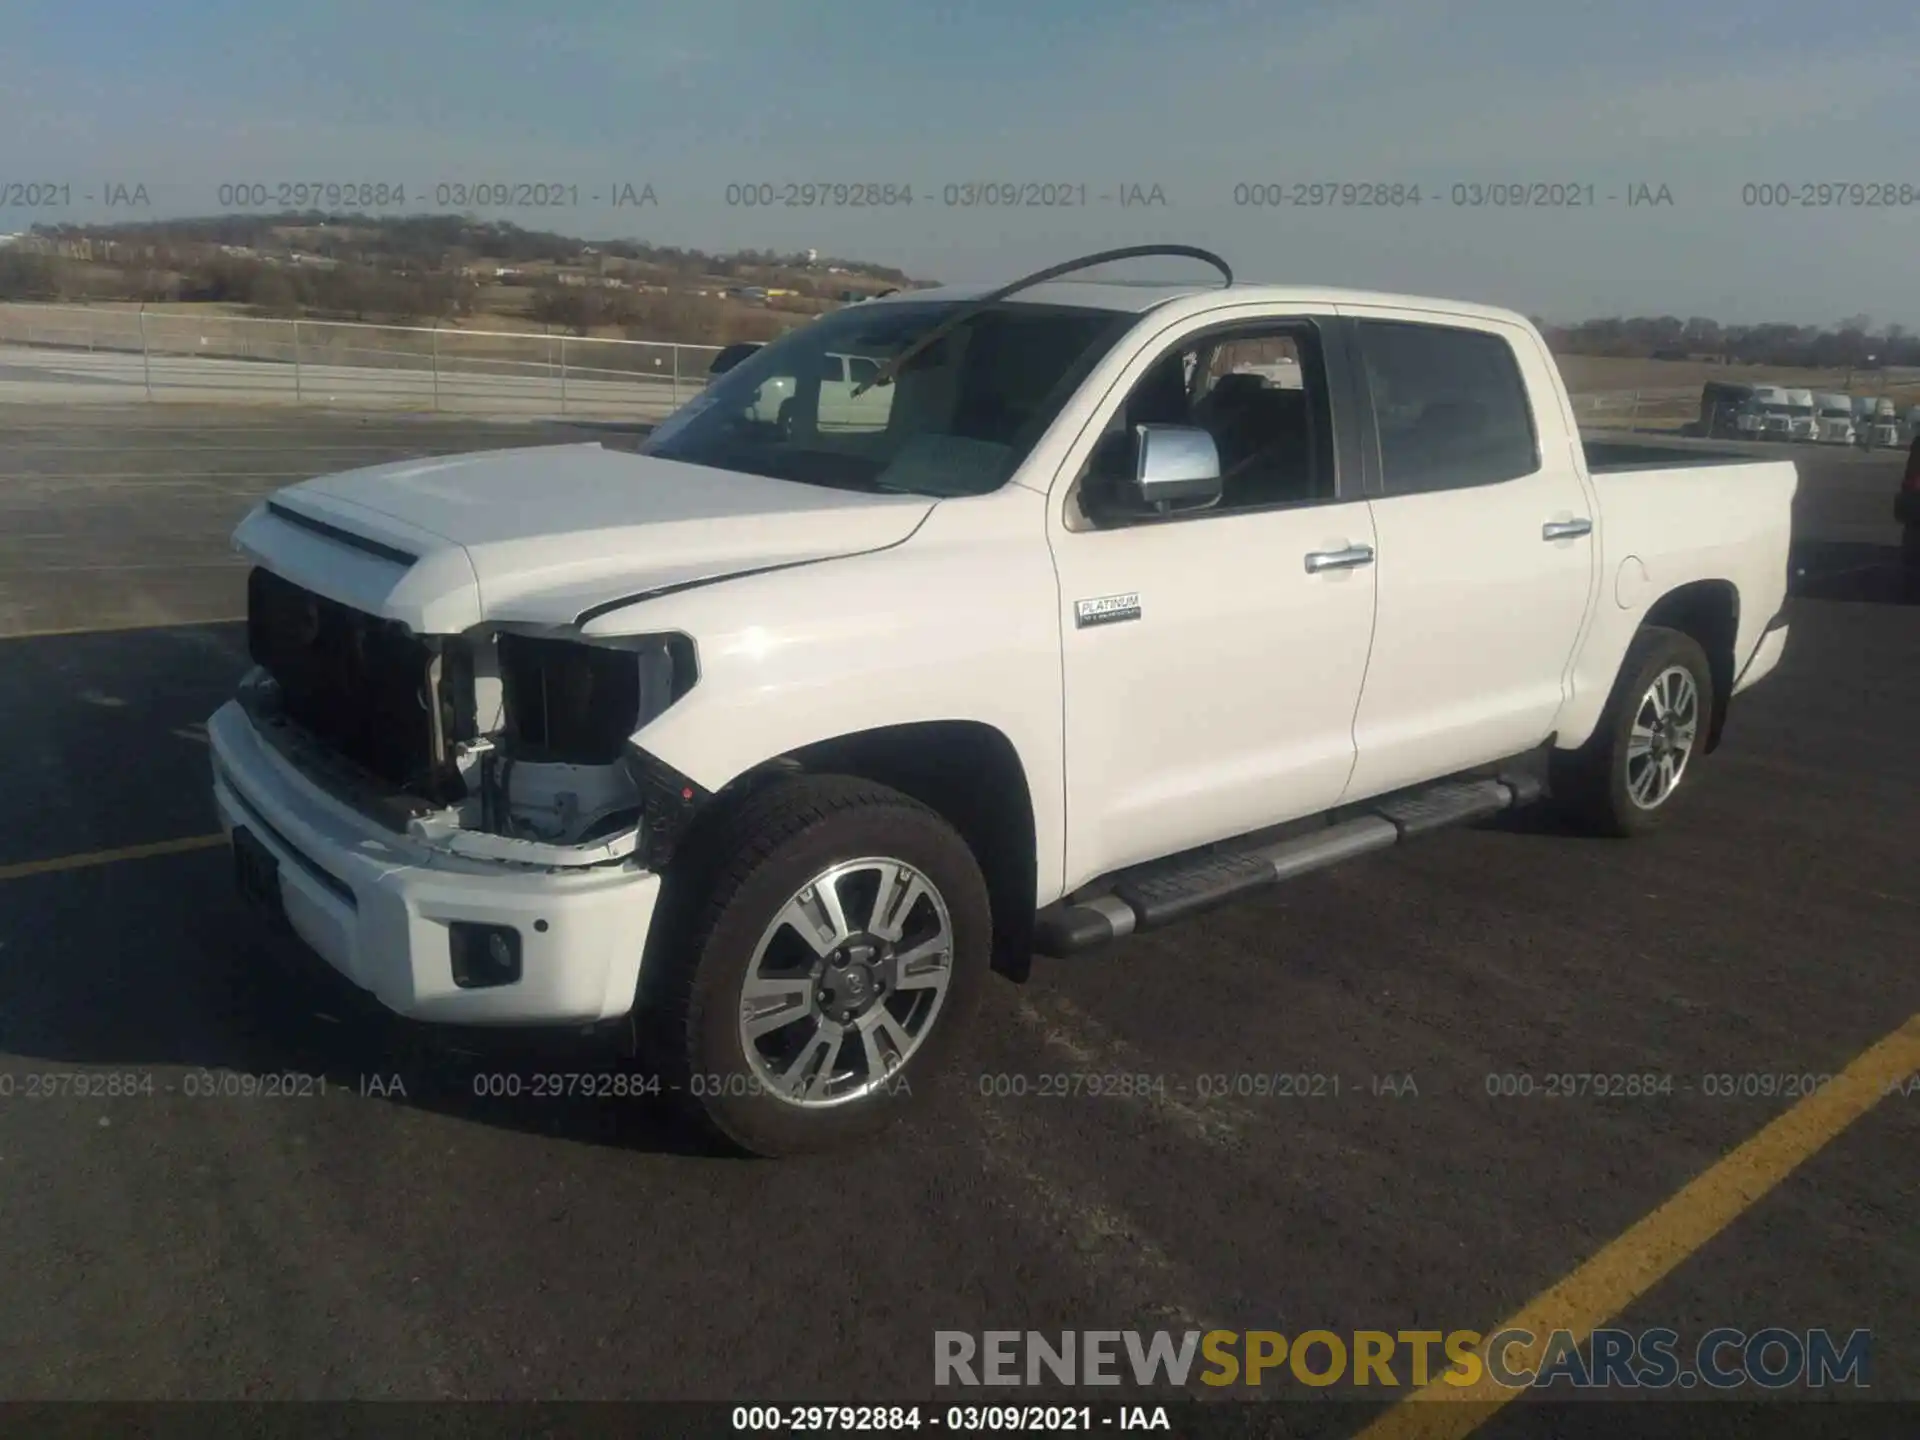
1168 890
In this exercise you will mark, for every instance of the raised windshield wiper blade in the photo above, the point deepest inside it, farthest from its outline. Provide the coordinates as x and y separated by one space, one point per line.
890 368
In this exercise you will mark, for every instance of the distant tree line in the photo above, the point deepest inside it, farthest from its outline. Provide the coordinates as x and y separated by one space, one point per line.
1852 341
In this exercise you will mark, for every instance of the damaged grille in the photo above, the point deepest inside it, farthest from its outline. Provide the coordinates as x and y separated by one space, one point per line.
391 702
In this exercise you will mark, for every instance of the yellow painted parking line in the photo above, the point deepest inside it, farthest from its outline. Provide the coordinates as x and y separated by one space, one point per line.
120 629
1631 1265
110 857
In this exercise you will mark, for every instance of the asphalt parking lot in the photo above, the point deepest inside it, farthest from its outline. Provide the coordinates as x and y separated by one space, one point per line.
399 1236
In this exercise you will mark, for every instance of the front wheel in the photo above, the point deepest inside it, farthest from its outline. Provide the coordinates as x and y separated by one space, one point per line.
1655 724
832 961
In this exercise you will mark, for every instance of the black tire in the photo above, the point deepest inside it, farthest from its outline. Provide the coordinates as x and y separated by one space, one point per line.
1910 564
1592 786
737 878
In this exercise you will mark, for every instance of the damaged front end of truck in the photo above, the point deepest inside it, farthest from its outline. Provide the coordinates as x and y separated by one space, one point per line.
504 743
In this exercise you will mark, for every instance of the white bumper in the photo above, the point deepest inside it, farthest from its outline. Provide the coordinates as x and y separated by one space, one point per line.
377 905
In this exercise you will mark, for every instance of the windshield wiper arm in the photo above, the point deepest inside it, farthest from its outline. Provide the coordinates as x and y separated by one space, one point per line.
890 368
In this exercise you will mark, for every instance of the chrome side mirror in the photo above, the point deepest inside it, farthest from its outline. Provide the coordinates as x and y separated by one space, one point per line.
1174 466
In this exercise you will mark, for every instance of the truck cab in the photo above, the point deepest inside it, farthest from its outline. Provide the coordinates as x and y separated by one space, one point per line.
1885 431
1802 422
1835 416
1772 412
837 397
1863 406
1722 405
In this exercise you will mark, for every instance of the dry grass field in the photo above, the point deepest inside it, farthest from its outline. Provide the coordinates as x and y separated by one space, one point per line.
1602 374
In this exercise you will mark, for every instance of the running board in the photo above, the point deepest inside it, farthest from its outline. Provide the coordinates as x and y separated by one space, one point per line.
1161 893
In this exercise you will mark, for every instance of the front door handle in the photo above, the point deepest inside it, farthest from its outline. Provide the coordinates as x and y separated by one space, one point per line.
1565 529
1318 560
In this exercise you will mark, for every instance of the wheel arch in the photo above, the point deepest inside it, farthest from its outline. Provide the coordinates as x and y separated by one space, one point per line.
966 771
1708 612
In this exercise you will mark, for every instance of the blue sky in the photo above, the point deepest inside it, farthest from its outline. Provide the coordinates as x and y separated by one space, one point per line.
1195 96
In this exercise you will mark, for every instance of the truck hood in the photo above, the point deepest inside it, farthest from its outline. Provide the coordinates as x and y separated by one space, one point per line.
543 534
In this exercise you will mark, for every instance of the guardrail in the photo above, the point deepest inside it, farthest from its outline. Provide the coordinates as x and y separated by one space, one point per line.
106 353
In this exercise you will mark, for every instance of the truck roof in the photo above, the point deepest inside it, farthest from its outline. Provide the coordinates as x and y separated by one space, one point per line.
1138 297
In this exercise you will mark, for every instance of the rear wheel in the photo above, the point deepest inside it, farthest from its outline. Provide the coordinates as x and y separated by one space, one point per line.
1910 563
1647 742
831 962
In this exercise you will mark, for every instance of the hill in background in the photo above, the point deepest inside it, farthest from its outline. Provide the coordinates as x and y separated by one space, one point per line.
448 270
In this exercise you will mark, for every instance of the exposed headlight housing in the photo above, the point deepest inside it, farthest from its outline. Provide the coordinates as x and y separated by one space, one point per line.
578 702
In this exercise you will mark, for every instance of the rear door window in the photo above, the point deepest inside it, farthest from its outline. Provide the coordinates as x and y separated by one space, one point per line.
1450 406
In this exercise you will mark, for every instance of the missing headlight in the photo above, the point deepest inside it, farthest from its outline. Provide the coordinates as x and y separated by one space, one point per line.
578 704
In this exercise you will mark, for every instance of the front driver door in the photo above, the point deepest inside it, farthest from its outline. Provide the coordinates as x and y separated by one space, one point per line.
1211 667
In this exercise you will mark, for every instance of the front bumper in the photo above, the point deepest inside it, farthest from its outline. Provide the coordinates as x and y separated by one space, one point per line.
376 904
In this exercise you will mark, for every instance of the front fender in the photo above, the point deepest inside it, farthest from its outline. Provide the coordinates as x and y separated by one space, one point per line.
961 623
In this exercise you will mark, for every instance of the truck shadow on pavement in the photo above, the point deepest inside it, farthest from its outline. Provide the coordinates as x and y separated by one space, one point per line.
1849 570
154 967
151 962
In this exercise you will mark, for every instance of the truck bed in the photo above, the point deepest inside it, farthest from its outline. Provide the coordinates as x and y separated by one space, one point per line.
1610 455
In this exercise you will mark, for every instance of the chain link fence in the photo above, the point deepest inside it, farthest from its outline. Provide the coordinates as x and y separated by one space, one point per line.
81 353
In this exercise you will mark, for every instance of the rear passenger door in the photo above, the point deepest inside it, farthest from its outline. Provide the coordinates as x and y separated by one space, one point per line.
1484 530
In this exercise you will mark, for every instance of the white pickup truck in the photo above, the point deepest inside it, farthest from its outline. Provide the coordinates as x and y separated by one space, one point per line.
763 745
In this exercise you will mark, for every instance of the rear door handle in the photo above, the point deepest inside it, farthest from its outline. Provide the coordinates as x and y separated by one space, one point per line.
1565 529
1318 560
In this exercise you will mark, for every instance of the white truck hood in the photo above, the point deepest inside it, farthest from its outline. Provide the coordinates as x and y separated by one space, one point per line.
543 534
